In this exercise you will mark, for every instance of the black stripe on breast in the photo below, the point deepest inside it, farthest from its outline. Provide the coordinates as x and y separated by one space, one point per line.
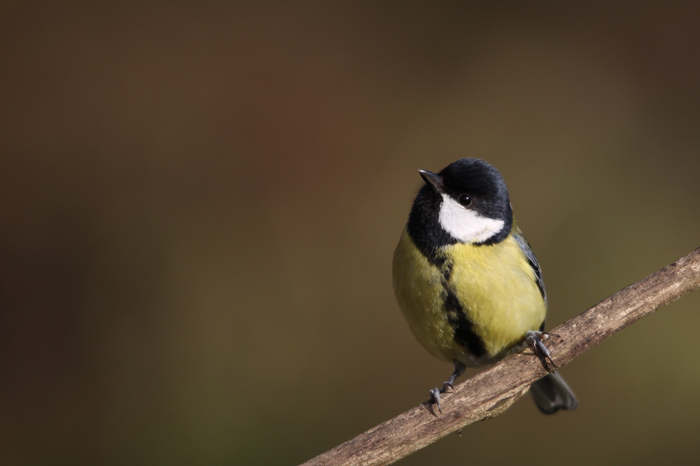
462 326
446 269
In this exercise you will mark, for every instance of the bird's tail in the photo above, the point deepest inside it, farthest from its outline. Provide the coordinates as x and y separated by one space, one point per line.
551 393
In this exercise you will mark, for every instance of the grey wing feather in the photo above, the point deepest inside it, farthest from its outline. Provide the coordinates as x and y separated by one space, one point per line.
525 247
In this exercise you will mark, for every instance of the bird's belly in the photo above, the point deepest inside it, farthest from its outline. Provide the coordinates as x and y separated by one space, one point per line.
494 286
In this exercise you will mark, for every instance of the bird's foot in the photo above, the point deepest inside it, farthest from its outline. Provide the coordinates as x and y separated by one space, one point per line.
435 394
536 339
435 398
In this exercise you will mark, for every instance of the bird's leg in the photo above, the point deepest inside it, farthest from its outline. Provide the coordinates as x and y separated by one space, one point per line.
435 392
459 370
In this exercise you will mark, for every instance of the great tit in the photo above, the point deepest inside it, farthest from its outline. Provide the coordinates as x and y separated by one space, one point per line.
467 280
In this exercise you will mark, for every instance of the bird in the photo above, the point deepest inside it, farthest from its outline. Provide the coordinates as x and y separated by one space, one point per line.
467 281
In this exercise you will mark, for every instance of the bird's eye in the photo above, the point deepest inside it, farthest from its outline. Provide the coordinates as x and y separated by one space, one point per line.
465 199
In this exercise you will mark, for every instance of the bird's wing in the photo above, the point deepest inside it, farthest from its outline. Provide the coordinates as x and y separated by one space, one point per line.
527 250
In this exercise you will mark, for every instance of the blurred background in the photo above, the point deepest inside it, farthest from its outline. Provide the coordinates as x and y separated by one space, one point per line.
199 204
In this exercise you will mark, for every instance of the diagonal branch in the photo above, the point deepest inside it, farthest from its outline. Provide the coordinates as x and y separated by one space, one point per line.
492 391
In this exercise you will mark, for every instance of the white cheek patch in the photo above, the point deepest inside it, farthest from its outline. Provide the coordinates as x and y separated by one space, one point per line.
466 225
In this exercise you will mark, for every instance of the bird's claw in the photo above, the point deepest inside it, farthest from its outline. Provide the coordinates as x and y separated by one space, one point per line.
447 386
435 397
536 340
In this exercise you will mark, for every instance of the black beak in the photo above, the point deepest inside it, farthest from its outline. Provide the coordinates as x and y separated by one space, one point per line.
431 179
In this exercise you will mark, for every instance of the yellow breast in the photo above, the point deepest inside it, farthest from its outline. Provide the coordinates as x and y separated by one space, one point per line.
495 286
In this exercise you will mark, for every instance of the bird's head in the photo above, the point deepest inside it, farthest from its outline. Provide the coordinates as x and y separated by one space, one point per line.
469 200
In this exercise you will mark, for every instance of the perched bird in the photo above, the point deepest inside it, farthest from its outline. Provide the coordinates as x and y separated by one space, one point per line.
466 279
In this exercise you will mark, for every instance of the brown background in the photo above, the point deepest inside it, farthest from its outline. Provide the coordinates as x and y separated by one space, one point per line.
199 203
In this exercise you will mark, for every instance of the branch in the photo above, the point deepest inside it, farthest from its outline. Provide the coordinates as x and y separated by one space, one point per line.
492 391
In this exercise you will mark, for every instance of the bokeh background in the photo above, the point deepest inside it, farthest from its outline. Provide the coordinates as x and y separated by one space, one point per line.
199 204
